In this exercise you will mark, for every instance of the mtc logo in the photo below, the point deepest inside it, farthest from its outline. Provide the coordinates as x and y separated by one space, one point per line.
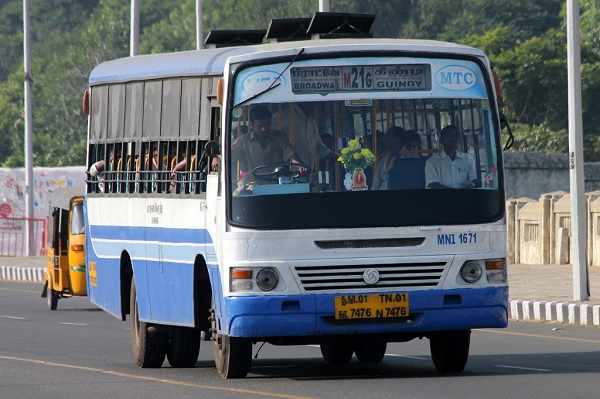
456 77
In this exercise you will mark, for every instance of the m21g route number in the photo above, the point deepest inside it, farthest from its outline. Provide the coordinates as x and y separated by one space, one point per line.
372 306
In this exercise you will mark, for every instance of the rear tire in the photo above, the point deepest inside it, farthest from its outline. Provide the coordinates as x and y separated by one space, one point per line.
337 353
148 349
450 350
370 352
184 347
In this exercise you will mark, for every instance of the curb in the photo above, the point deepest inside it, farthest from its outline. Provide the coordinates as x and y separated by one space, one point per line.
31 274
559 312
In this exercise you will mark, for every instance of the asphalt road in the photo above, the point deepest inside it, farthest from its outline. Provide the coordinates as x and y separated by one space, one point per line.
80 351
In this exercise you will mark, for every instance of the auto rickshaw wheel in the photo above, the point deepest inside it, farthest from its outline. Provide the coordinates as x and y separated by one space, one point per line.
52 297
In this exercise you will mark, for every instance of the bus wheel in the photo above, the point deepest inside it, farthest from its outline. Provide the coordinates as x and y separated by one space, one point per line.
184 347
370 352
148 349
450 350
52 297
233 355
337 353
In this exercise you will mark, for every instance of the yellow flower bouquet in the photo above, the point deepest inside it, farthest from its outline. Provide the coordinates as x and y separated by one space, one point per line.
354 156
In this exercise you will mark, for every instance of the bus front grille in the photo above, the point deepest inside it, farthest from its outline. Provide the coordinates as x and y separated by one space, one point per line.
346 277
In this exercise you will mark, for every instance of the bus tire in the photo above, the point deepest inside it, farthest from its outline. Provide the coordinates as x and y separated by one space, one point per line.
52 297
370 352
450 350
233 356
184 347
337 353
149 350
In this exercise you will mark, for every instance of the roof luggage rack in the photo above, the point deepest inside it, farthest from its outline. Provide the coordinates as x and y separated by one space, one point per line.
328 25
281 30
229 38
323 25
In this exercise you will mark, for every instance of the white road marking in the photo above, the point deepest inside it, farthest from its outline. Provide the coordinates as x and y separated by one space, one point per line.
74 324
408 357
13 317
522 368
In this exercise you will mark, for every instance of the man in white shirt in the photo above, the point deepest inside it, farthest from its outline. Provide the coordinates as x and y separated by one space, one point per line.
450 168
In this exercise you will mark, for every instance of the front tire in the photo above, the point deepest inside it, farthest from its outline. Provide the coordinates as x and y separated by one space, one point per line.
184 347
450 350
148 349
233 355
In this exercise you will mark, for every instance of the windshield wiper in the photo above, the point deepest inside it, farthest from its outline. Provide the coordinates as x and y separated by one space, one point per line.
275 82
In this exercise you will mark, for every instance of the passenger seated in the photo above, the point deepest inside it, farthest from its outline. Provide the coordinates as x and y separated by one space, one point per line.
408 171
401 168
451 168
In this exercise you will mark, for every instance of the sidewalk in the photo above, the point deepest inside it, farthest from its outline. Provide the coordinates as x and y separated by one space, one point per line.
537 292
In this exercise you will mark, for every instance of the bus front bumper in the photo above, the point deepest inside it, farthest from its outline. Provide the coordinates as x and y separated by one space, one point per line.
313 315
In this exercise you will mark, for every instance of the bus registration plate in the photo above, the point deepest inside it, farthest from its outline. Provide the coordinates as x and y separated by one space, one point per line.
373 306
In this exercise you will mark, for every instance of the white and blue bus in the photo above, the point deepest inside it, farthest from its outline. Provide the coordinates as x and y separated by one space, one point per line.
188 241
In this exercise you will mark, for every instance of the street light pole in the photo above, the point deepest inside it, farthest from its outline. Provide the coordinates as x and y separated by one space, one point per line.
134 28
199 26
323 5
576 173
28 134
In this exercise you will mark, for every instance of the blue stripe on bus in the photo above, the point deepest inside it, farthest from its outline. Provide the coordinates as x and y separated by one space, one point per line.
174 235
169 244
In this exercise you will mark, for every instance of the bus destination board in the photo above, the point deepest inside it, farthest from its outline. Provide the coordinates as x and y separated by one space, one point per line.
356 78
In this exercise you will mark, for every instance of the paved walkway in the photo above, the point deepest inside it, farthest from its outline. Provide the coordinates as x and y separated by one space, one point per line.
537 292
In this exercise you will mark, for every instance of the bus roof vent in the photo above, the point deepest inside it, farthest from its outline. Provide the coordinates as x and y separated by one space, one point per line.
327 25
282 30
230 38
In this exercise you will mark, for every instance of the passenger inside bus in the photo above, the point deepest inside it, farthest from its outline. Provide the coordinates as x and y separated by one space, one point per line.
393 140
401 167
99 168
303 131
450 168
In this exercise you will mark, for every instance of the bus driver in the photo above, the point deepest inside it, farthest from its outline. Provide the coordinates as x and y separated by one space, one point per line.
261 146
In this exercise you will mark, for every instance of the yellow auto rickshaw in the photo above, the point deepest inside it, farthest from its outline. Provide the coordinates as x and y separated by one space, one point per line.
65 251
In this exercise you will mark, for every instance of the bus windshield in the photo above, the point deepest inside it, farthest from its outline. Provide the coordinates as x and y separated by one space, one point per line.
361 142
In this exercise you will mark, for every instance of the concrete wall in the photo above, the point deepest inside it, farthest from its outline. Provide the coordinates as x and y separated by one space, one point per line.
539 232
531 174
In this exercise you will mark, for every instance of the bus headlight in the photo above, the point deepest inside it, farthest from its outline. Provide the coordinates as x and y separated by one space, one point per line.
471 271
267 279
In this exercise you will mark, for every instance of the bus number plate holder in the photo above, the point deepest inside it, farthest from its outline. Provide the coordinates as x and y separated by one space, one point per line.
372 306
